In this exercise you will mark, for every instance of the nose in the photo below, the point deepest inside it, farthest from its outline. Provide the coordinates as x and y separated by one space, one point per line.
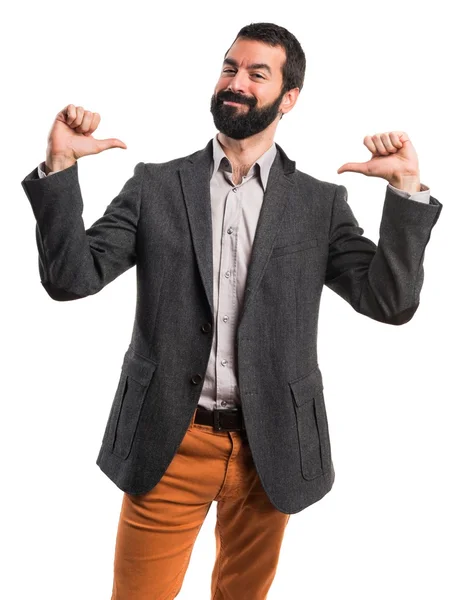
238 83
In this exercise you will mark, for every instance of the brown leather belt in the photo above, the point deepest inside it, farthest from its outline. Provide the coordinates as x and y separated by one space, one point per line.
221 419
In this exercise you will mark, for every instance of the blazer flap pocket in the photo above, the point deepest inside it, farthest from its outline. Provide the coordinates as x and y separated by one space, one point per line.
138 367
306 388
295 247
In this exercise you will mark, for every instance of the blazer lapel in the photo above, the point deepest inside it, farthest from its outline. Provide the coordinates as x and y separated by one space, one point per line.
195 182
279 187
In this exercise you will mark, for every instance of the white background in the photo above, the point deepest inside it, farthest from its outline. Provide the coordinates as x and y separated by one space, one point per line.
393 525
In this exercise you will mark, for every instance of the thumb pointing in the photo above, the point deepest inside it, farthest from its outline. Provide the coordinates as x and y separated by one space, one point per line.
110 143
355 167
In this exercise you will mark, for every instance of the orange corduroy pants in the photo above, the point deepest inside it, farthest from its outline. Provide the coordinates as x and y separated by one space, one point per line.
157 530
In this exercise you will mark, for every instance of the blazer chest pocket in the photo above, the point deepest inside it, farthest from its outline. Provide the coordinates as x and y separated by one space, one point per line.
281 249
312 425
136 374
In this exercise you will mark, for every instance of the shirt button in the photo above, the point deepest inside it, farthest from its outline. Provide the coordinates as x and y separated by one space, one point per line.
223 403
234 189
227 274
230 230
223 363
225 318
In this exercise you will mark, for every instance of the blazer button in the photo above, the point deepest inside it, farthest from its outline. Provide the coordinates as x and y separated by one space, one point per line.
196 378
206 327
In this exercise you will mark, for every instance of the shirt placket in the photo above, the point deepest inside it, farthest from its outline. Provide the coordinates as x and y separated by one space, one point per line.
227 297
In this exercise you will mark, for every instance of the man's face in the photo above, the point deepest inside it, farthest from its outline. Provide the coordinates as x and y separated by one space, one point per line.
248 95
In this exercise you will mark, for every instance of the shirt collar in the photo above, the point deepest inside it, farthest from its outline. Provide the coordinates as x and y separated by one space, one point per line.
264 162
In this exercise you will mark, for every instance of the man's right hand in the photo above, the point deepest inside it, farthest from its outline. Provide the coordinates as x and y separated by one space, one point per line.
71 138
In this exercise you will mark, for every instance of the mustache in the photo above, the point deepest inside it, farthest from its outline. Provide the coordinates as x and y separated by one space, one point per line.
231 97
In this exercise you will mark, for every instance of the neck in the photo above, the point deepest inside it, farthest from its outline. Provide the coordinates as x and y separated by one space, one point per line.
244 153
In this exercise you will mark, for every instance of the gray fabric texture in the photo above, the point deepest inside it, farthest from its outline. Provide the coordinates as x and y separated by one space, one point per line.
307 236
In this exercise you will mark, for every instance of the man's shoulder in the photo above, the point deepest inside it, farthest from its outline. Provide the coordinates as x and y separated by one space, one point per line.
174 163
310 183
168 165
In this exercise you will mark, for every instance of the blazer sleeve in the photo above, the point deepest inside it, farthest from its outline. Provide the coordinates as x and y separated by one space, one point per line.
381 281
75 262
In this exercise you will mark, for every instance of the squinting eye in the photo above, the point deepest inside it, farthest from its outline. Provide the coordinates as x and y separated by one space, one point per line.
232 71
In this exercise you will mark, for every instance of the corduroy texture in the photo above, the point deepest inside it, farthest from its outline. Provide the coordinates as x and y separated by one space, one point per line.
306 237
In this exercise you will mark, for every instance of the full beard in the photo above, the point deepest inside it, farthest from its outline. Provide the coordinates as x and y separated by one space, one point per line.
233 122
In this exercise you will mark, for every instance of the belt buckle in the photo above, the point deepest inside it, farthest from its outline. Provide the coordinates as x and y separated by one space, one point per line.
218 427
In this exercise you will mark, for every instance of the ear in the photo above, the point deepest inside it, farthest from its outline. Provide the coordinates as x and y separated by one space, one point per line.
289 100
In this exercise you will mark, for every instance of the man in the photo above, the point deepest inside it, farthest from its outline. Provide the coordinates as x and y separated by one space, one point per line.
220 395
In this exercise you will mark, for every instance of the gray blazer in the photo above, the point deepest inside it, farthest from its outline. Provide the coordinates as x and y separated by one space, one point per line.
307 236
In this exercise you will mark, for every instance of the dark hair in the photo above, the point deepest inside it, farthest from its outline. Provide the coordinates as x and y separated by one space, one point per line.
294 66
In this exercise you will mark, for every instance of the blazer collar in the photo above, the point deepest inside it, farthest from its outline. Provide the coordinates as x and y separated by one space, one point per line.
205 156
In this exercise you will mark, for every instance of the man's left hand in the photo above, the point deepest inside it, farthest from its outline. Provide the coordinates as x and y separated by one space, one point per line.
393 158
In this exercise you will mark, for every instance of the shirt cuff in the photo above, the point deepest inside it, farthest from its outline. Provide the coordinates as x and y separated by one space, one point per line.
422 196
41 170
